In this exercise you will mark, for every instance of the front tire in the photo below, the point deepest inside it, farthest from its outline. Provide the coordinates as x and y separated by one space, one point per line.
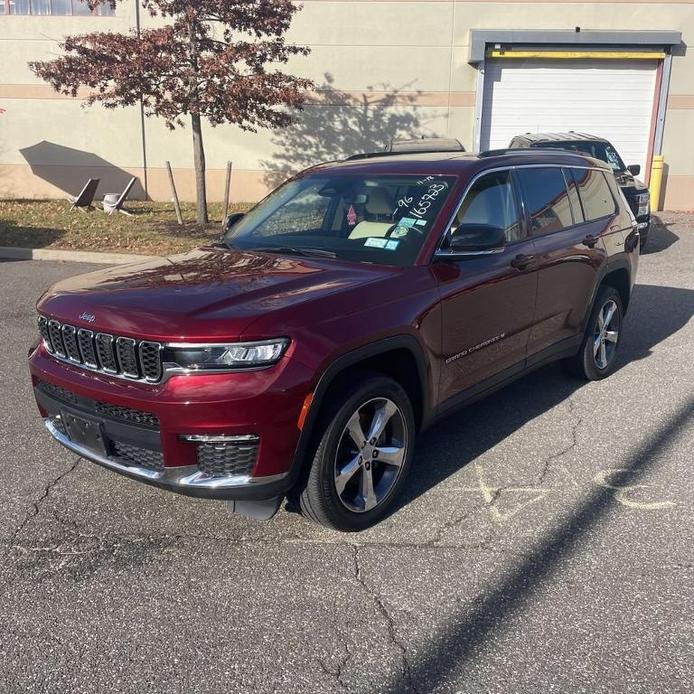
365 450
597 357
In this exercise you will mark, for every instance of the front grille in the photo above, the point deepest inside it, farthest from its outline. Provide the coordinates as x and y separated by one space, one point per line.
70 342
134 455
105 353
105 409
126 350
45 332
150 359
57 392
118 356
127 414
85 339
226 459
56 335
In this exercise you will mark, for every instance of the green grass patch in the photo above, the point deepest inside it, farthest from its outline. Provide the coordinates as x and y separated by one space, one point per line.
152 230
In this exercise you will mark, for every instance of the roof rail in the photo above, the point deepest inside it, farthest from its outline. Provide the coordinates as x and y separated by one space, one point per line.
429 145
525 150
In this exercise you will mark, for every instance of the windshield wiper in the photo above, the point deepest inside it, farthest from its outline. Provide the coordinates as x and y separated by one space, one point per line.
291 250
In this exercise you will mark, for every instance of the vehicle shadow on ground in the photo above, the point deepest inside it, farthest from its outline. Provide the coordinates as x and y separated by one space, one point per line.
660 237
655 314
456 643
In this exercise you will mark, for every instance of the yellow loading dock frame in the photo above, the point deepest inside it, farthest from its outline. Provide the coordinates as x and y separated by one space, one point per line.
588 45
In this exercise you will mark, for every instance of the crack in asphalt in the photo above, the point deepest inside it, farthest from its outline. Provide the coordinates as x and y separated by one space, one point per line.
390 623
337 673
338 670
36 505
578 422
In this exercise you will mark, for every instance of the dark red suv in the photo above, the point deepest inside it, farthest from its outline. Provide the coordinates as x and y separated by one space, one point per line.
347 311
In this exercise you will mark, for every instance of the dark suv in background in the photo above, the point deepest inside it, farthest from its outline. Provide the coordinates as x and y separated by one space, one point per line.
635 191
350 309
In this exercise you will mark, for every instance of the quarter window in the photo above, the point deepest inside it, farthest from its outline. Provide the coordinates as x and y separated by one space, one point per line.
595 193
546 198
491 202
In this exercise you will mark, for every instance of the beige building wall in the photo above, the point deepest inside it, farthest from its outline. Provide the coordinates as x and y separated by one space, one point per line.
383 69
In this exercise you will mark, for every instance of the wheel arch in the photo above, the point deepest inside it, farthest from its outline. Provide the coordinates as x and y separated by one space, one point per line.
618 278
616 274
401 357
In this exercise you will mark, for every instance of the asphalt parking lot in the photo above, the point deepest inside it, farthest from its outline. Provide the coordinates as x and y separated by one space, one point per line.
544 544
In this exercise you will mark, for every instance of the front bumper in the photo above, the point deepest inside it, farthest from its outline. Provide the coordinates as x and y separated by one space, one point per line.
185 479
156 433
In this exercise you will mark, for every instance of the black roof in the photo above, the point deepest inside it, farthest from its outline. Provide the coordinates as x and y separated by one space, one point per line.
570 136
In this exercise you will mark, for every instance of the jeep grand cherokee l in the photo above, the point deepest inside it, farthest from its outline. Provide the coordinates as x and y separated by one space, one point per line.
347 311
635 191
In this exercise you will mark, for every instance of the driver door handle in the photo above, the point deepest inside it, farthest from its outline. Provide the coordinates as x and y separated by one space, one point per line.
523 262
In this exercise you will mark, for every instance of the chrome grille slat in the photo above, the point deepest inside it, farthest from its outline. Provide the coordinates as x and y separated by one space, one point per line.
45 333
85 340
70 342
126 353
118 356
105 353
54 329
150 360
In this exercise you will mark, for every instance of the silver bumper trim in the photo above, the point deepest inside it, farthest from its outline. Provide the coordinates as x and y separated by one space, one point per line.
183 477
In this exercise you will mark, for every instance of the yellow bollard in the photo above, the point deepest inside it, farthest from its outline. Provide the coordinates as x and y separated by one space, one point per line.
656 181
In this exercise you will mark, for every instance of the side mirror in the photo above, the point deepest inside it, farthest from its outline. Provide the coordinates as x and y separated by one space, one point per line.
634 169
232 219
476 239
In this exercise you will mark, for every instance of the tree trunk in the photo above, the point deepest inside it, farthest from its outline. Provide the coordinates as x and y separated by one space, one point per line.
199 158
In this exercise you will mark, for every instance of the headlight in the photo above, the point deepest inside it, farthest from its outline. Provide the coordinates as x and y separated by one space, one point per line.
644 203
236 355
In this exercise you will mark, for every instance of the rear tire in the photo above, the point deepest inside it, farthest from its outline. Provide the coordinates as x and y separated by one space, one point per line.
597 357
363 455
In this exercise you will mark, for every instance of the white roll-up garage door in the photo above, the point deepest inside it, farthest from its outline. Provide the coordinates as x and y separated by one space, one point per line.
609 98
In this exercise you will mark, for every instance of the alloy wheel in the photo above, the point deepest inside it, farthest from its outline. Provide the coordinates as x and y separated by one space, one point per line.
606 334
370 455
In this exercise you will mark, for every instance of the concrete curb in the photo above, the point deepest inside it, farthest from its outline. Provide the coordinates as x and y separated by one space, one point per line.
71 256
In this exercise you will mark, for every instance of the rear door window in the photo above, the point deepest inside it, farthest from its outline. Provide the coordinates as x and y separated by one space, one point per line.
546 198
573 197
595 193
491 202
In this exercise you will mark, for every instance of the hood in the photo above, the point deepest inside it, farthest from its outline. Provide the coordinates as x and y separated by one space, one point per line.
206 294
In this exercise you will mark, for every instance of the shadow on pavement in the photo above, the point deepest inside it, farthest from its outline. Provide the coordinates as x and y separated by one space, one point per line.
655 313
660 237
466 631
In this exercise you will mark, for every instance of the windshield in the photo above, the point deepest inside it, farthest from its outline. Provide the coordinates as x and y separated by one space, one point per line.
362 218
598 150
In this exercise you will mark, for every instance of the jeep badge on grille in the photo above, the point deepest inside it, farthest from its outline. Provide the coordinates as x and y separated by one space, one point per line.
89 317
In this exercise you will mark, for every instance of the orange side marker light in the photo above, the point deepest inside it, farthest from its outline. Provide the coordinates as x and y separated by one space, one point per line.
304 411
